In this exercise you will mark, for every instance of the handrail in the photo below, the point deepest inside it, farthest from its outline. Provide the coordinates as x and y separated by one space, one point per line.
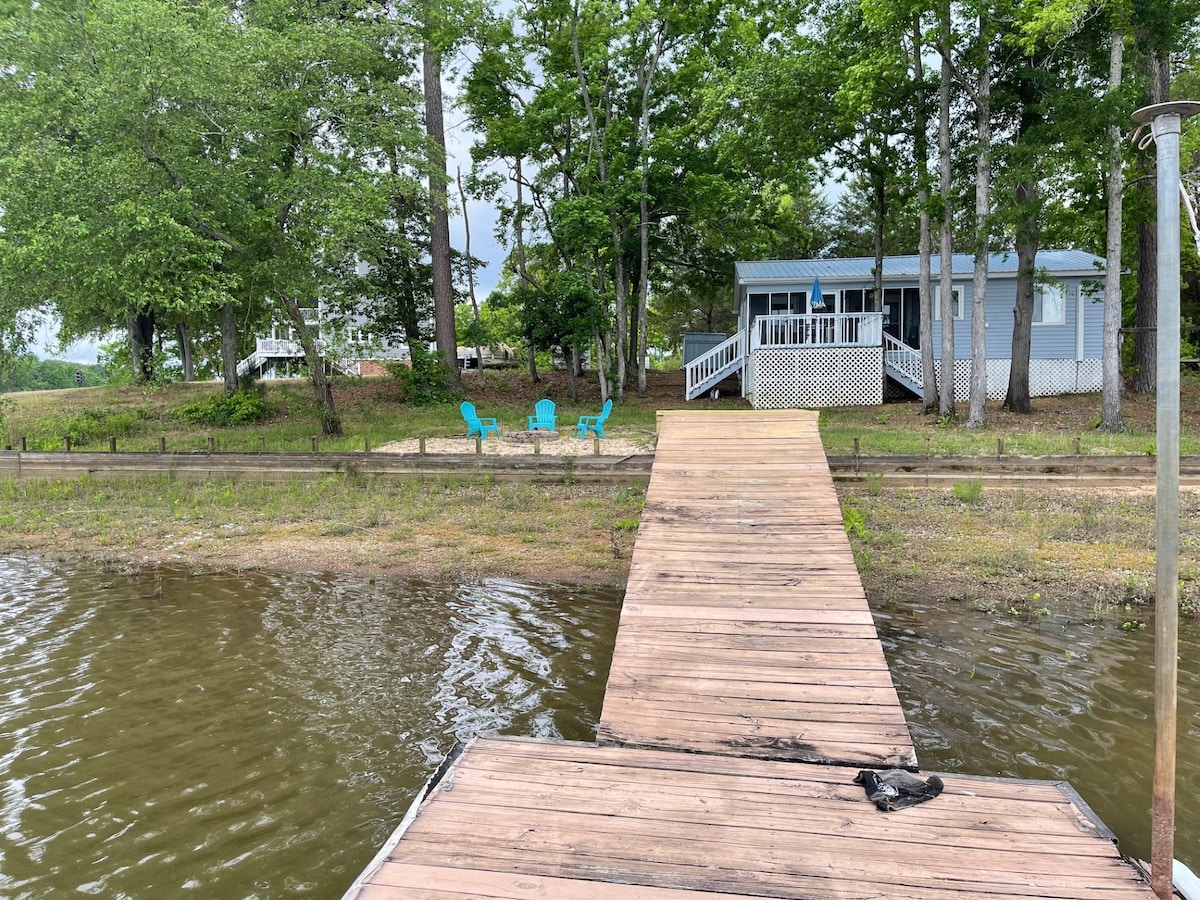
707 366
903 358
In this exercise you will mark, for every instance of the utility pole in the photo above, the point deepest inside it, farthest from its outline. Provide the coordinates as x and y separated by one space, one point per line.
1164 120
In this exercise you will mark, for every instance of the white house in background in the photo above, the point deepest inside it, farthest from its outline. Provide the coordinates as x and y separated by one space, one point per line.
350 348
805 340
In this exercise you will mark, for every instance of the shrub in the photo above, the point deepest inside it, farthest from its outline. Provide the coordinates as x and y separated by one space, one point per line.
426 382
225 410
968 491
85 426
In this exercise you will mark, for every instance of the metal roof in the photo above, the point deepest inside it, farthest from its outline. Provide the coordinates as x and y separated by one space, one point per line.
1059 262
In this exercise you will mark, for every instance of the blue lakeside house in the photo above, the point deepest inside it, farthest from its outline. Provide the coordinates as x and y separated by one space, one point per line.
795 349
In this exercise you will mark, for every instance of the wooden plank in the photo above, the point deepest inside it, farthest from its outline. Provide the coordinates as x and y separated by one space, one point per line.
746 641
394 881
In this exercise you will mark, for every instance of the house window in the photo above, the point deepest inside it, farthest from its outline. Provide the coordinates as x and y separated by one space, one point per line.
798 302
1050 303
956 301
780 304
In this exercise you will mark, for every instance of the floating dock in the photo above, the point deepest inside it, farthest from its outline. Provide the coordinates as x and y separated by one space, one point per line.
747 688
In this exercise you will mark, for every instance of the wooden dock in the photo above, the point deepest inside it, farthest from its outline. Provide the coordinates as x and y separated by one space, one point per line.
747 687
745 629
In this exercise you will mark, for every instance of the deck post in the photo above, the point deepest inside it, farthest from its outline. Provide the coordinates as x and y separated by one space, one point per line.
1165 126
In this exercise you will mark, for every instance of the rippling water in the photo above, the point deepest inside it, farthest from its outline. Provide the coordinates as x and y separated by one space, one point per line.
258 736
1052 699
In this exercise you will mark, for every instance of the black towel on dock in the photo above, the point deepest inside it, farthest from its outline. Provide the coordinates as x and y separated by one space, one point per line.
897 789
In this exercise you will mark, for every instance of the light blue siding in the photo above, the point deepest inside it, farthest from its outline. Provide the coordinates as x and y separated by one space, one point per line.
1078 270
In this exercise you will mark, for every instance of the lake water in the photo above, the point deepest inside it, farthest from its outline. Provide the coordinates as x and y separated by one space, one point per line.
258 736
165 735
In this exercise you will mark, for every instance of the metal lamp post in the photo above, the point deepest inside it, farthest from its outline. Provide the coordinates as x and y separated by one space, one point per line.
1164 120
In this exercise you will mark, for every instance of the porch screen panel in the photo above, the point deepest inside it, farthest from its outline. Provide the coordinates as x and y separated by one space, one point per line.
759 303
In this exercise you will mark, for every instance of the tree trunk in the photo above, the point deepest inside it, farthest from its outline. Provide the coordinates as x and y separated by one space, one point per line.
621 316
185 352
229 358
879 184
977 411
929 389
946 253
645 78
601 363
331 423
140 324
1110 406
1145 339
471 273
569 358
1017 399
439 218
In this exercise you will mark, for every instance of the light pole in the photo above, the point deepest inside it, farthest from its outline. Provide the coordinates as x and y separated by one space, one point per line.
1164 120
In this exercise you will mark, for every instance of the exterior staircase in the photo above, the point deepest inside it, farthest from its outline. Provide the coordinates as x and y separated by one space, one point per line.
707 371
902 364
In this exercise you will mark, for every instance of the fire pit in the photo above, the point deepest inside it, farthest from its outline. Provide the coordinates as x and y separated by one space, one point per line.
528 437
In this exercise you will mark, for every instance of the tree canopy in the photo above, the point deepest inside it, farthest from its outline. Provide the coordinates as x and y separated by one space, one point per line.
192 171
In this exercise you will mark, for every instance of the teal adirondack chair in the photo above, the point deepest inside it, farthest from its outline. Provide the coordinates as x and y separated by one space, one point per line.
476 425
593 423
543 417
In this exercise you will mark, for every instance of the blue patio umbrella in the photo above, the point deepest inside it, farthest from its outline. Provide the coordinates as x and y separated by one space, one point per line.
817 300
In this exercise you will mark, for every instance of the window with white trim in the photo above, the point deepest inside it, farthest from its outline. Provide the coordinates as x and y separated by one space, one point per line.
956 293
1050 303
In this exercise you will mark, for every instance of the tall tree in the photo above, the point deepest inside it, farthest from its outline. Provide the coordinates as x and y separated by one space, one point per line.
439 213
945 192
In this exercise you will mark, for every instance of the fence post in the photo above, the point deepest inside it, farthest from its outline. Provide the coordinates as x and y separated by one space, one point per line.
316 446
22 443
478 445
421 446
67 444
262 444
856 456
367 444
537 445
112 445
596 446
212 444
999 447
162 445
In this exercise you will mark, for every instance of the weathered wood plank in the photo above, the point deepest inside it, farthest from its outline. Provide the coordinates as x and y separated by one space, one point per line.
744 638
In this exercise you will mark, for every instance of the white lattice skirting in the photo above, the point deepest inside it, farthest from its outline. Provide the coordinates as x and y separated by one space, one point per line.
1047 377
812 378
853 376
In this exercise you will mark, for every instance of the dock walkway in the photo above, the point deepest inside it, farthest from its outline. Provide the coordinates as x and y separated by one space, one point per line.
747 687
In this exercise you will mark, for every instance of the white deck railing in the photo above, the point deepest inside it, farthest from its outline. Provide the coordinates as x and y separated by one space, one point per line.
832 330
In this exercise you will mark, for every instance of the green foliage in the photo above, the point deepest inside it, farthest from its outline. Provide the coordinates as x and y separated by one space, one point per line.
82 426
28 373
425 382
562 314
855 521
227 410
968 492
